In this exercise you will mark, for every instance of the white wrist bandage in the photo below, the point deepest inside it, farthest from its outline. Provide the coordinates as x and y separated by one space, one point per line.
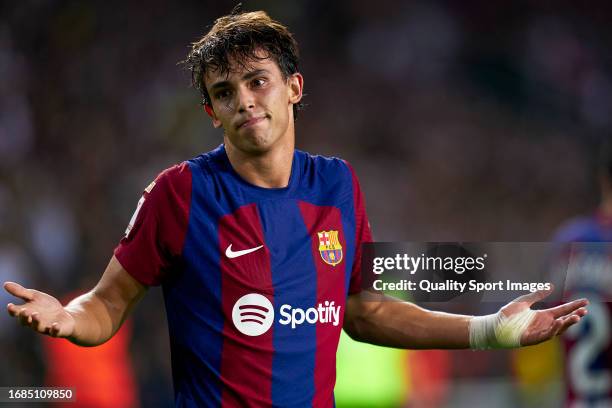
499 331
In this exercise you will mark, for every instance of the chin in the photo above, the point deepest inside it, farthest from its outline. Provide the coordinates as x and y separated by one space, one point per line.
255 143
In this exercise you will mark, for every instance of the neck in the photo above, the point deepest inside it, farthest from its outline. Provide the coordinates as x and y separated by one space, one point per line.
270 169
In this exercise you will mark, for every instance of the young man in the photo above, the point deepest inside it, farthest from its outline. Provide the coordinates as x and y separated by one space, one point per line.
258 247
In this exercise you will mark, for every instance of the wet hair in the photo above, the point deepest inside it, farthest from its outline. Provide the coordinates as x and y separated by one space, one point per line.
241 38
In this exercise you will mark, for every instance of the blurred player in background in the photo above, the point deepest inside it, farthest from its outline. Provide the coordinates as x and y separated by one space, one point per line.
588 347
257 246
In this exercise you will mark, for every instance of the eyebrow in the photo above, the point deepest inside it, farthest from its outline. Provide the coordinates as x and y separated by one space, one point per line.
245 77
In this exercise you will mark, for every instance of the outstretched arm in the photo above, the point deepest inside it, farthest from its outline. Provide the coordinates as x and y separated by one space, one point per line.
88 320
386 321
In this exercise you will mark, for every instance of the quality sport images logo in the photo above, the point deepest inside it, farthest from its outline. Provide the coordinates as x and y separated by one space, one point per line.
253 314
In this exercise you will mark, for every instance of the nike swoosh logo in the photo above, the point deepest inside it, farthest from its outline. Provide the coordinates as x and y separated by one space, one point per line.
235 254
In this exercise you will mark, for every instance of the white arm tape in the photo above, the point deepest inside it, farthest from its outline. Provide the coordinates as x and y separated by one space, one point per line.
498 331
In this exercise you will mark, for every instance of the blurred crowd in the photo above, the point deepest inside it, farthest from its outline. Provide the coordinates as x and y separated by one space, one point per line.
464 121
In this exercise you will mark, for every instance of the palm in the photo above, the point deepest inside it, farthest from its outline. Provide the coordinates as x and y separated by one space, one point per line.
546 323
41 312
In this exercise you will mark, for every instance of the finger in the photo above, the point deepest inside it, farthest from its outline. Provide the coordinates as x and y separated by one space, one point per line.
55 329
35 321
581 312
556 327
16 289
12 309
567 322
568 308
23 316
534 297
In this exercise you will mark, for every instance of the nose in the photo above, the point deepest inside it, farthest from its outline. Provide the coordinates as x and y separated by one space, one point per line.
245 99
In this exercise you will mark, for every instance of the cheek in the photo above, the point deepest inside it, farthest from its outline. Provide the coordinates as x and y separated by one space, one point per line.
222 108
280 99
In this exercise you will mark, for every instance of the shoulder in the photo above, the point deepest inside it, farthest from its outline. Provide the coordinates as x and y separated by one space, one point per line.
175 173
180 175
176 177
577 229
169 191
206 164
330 167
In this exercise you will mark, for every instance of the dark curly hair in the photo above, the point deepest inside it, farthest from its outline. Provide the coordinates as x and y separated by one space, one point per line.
238 37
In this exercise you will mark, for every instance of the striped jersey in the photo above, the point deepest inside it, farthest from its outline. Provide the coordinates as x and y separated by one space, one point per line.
588 345
255 280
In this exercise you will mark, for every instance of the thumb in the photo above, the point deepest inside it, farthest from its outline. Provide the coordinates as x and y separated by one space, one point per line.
17 290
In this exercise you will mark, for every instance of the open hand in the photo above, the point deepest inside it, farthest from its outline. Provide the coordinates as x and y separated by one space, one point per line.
545 323
41 312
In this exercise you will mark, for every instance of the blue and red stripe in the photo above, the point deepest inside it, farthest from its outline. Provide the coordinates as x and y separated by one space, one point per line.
330 287
246 362
213 363
293 272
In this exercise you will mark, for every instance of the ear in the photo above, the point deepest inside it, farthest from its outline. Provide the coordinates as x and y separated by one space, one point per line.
209 110
296 87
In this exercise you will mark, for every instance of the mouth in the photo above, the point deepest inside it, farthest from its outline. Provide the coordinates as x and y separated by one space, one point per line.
251 122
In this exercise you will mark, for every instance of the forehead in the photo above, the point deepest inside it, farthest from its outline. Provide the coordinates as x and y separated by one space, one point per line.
238 69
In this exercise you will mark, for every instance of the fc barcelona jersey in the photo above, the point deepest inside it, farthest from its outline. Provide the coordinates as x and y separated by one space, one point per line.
255 280
588 345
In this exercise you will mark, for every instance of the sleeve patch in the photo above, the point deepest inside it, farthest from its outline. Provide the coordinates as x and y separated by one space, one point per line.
134 216
150 187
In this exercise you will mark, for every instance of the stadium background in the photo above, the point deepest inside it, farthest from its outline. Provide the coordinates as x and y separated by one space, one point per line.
465 122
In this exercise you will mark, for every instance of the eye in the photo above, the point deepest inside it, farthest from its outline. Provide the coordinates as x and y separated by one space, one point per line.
258 82
225 93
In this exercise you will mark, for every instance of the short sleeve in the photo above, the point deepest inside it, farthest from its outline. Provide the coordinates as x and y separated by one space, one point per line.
154 239
362 232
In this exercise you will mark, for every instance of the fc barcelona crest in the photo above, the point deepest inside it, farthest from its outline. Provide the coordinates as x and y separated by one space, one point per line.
329 247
